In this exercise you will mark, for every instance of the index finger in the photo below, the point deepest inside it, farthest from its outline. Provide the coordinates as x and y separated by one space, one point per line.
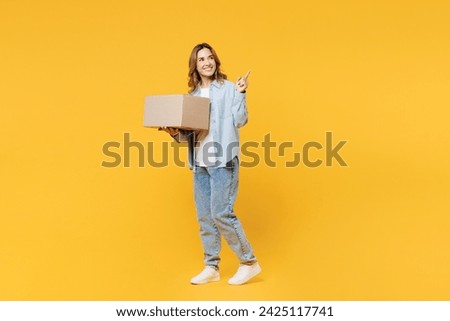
246 75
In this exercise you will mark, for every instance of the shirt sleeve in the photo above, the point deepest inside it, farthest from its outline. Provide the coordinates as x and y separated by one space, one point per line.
239 109
182 136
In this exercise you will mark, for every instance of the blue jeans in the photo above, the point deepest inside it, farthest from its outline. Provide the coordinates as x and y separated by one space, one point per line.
215 190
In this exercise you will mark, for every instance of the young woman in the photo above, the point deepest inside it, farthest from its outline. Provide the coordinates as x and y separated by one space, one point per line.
214 158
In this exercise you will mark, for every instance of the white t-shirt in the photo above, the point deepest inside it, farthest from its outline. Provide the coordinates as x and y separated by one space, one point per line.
202 157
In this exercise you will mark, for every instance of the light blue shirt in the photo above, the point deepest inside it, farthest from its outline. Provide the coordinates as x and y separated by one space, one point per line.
205 149
228 112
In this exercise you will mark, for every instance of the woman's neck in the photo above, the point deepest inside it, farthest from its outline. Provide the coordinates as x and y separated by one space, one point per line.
206 82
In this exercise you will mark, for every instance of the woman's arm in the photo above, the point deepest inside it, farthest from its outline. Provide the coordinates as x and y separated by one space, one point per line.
239 108
180 135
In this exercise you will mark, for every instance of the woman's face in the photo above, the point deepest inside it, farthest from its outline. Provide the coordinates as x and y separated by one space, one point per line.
206 65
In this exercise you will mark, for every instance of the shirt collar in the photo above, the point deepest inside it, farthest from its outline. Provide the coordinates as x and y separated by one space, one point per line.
214 83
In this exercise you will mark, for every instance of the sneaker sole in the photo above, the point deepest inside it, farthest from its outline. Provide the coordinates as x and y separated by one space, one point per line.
247 279
215 279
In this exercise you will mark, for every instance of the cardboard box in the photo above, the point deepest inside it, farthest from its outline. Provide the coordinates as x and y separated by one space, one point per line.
180 111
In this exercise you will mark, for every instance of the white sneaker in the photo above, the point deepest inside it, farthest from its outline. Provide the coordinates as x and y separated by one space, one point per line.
209 274
245 273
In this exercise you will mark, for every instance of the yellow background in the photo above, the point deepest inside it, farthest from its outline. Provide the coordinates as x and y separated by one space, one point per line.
74 74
